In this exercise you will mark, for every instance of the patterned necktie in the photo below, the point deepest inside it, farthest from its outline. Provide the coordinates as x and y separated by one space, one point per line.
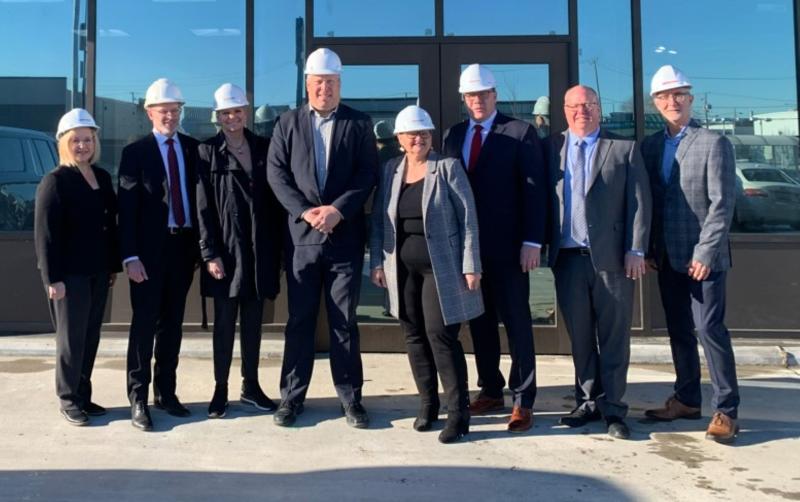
175 198
578 202
475 148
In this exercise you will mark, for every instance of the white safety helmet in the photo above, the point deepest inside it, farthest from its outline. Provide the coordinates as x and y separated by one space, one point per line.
229 96
476 78
323 61
162 91
668 77
542 106
413 118
73 119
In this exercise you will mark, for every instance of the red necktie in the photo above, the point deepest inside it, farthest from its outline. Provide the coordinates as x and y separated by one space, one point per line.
475 148
176 199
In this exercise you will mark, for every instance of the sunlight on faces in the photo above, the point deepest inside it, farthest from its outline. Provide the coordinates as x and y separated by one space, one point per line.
582 110
480 105
416 144
324 92
166 117
675 105
78 146
232 119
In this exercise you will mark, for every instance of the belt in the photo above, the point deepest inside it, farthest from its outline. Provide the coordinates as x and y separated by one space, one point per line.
580 251
179 230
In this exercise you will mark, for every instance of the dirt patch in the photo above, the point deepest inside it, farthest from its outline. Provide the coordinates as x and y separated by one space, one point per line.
26 365
680 448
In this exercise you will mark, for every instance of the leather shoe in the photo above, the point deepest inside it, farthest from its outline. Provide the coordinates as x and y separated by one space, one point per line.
579 417
356 415
218 406
673 409
617 428
722 429
454 429
94 409
75 417
485 404
172 406
140 416
521 419
426 417
287 414
252 395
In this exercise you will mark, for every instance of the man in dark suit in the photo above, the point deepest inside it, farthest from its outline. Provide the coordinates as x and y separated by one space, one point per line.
322 166
693 178
159 245
504 161
600 220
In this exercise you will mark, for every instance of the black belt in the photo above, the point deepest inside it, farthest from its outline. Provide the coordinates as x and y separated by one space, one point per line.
581 251
179 230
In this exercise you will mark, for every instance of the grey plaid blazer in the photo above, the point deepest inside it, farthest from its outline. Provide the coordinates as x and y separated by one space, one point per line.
692 212
451 231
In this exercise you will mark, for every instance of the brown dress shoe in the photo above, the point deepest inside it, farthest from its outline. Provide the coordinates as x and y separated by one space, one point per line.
484 404
672 410
521 420
722 429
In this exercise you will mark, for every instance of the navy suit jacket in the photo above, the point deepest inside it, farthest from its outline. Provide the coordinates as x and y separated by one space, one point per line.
352 174
510 186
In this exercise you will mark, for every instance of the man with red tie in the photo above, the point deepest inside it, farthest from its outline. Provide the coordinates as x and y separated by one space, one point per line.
159 246
506 169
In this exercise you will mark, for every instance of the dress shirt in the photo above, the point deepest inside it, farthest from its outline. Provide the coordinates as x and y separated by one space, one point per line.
164 148
321 129
671 144
590 148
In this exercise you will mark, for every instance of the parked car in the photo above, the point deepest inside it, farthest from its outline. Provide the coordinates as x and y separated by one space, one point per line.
766 196
25 156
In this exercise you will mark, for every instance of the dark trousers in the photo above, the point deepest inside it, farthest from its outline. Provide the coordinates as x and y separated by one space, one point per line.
158 306
431 344
78 318
334 272
597 309
225 313
505 296
691 305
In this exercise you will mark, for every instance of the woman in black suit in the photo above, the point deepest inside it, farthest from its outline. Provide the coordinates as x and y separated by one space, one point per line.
240 224
78 255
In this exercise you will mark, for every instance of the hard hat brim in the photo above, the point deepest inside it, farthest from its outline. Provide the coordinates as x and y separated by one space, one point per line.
669 87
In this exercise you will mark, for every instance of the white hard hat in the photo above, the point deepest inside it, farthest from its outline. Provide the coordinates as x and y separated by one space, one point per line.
668 77
229 96
476 78
413 118
542 106
323 61
73 119
265 113
162 91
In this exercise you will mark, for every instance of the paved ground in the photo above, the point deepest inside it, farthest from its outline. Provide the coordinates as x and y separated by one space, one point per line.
245 456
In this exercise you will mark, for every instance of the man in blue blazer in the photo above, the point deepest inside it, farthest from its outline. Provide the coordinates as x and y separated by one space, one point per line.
504 161
322 166
693 178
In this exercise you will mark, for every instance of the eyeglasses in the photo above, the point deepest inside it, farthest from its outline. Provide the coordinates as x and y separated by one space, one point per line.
422 134
586 106
175 112
680 97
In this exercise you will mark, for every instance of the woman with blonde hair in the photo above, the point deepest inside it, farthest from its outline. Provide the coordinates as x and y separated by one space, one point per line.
75 233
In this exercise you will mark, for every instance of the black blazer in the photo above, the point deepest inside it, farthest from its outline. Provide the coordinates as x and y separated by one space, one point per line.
239 219
352 174
75 228
509 183
144 197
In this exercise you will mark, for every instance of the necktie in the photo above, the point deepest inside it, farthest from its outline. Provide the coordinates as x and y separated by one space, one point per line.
578 203
176 200
475 148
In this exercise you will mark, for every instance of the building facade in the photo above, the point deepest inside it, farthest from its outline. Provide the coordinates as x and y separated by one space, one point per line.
741 55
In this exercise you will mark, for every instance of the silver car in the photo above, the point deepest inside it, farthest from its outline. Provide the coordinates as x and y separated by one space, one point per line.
767 198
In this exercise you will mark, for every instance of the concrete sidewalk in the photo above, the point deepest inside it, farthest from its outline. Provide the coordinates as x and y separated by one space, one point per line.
246 457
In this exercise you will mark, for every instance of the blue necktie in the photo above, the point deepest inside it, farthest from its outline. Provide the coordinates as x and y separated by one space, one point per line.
578 200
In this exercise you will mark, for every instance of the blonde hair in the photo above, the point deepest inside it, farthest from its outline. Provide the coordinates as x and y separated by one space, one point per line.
65 157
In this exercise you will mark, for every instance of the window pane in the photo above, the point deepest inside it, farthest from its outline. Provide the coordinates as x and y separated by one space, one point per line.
744 87
505 17
367 18
199 47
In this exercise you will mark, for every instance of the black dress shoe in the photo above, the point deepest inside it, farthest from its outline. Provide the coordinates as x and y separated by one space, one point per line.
219 402
172 406
94 409
287 414
454 429
75 417
426 417
579 417
252 395
356 415
617 428
140 416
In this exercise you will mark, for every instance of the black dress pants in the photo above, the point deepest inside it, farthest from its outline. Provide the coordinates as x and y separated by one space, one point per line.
225 313
78 318
431 344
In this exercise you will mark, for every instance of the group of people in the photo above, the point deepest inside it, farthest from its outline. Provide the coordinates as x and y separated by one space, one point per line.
454 233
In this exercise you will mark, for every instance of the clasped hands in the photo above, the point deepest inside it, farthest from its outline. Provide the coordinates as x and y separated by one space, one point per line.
323 218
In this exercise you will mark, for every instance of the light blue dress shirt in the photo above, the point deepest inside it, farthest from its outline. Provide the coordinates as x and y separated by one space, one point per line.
671 144
572 149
